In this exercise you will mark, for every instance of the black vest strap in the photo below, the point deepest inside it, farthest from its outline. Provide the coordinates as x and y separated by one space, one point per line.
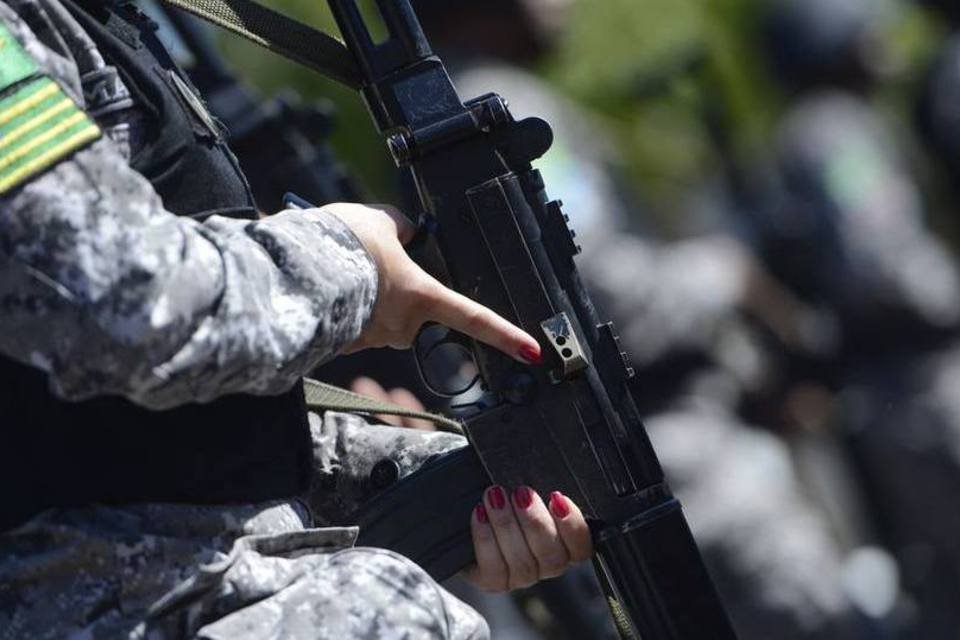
178 146
236 449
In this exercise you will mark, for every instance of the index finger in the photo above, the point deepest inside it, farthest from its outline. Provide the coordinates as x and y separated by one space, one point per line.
462 314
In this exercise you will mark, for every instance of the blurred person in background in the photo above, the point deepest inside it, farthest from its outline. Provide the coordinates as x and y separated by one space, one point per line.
846 229
849 231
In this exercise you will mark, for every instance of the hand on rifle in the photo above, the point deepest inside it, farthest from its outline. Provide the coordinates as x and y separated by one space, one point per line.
517 538
409 297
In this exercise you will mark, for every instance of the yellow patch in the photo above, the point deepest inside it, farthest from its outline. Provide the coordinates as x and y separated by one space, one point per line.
39 126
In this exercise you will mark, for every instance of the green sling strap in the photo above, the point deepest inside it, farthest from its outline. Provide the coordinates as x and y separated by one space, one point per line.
325 397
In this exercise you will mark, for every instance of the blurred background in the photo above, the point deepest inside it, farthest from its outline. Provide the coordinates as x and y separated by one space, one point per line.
768 197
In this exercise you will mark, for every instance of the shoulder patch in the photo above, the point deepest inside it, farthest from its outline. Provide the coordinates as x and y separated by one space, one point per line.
39 124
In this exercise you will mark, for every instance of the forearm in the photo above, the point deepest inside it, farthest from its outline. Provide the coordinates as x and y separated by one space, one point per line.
111 294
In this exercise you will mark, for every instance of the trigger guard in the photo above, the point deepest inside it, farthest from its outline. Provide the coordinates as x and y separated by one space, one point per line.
451 337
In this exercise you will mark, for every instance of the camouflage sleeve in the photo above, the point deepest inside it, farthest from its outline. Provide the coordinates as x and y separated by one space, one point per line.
111 294
345 449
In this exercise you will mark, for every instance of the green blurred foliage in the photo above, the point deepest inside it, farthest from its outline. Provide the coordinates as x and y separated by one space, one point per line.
658 69
671 67
681 82
655 72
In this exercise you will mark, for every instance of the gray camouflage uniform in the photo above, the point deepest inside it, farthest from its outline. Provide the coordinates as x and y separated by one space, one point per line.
108 292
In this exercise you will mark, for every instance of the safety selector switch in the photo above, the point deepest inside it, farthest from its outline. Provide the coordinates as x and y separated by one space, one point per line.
559 331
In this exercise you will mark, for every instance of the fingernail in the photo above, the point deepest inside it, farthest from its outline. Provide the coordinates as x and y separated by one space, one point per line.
559 506
522 497
533 355
481 513
498 500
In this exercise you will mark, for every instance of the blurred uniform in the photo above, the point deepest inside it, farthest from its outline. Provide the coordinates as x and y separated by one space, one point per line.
895 290
902 416
851 231
159 468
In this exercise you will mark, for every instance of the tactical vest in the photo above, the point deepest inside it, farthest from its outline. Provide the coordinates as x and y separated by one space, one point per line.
237 449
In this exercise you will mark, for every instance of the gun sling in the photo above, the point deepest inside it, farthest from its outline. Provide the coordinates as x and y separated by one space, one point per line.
326 397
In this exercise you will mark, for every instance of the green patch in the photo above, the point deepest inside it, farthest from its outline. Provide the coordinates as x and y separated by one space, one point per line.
15 63
39 124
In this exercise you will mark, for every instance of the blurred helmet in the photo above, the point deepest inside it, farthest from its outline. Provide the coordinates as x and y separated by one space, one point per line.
824 42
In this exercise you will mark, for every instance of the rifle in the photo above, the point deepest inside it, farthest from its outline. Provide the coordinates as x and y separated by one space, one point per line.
489 230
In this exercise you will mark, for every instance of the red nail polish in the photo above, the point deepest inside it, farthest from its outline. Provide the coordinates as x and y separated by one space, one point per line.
498 500
481 513
532 355
522 497
559 506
